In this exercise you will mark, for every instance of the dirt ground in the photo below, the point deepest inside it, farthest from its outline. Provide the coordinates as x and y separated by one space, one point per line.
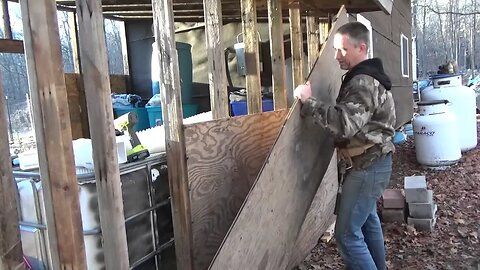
453 244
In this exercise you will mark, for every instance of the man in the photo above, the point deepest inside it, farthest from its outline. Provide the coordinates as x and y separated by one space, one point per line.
361 123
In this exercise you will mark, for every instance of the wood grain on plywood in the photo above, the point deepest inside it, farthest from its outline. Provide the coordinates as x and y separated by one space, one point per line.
270 221
224 158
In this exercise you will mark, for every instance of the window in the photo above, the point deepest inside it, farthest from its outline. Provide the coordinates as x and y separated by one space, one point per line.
404 56
367 24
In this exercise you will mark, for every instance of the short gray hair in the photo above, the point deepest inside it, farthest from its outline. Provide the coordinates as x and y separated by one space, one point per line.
357 33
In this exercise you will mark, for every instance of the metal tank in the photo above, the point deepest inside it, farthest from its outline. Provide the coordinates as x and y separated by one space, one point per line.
462 104
435 132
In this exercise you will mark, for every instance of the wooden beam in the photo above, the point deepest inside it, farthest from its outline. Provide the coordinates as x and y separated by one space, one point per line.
385 5
53 133
96 81
217 76
11 46
72 22
252 60
7 28
297 46
174 133
324 28
10 242
313 41
277 50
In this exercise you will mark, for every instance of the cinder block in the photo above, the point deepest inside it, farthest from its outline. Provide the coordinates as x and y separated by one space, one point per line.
422 224
416 189
393 198
393 215
423 210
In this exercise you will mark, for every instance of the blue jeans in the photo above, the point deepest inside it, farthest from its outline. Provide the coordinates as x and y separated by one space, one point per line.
358 230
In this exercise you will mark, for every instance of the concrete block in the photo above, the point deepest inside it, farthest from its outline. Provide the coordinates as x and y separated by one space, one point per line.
423 210
393 198
393 215
422 224
416 189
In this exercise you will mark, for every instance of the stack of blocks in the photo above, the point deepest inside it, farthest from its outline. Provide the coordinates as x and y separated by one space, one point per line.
421 206
393 206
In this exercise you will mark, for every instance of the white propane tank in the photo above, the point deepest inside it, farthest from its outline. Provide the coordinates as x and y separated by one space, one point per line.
435 133
462 104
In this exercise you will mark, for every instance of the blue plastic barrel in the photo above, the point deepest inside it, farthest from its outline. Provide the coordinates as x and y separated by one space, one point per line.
155 113
240 107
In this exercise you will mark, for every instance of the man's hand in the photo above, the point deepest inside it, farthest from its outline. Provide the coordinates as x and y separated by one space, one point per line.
303 92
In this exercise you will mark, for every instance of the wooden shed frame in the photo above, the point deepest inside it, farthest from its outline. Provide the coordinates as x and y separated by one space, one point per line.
41 46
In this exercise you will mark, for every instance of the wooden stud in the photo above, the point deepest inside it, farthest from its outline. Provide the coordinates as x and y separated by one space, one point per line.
11 46
72 22
279 80
174 133
252 60
313 41
53 133
96 81
7 28
324 29
10 242
216 59
297 46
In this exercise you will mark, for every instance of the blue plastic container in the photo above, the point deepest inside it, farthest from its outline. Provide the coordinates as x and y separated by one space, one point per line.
240 107
155 113
184 51
141 113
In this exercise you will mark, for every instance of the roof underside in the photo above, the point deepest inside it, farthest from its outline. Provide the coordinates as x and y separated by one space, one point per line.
192 10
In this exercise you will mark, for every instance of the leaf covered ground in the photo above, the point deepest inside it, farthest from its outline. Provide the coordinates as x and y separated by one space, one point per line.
455 241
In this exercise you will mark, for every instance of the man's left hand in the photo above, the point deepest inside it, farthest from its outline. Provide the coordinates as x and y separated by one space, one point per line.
303 92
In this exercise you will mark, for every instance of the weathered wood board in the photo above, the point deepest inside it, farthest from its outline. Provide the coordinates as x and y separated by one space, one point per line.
224 158
270 221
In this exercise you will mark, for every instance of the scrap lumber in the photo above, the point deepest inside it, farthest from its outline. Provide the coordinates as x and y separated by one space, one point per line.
271 219
224 158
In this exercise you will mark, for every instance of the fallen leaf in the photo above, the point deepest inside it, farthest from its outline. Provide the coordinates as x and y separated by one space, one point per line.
463 231
460 221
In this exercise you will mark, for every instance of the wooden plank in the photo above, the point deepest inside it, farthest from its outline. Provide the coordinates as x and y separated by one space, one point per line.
7 28
96 81
313 41
10 242
297 46
324 27
319 217
252 61
279 77
11 46
74 105
224 158
53 133
174 133
72 22
123 40
118 83
217 76
266 229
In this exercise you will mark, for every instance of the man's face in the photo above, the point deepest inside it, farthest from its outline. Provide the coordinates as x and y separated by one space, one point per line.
347 54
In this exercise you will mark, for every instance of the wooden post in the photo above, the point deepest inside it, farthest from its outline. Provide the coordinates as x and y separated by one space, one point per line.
53 133
324 29
279 80
313 41
217 76
297 45
96 81
123 39
7 28
174 133
72 23
10 243
252 60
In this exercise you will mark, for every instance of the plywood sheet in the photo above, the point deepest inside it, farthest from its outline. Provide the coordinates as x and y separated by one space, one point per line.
224 158
270 221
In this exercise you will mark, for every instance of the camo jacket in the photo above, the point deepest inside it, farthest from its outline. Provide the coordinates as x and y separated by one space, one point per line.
364 114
